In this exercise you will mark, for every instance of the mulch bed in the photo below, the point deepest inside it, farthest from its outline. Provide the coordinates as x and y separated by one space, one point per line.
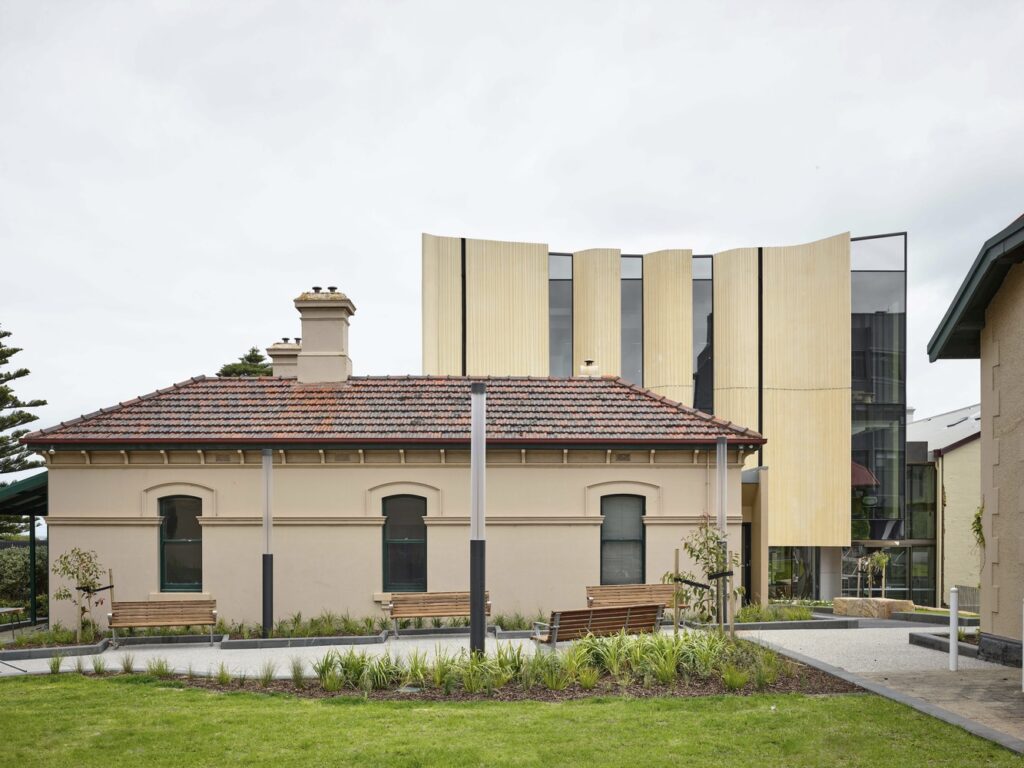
806 680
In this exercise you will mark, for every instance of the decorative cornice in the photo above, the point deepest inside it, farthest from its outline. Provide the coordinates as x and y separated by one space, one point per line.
288 521
519 520
118 521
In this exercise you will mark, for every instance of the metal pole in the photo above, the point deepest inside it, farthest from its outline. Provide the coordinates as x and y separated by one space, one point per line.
32 569
954 626
477 532
268 557
675 595
722 474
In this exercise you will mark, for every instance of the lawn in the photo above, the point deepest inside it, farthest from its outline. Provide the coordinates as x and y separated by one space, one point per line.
82 721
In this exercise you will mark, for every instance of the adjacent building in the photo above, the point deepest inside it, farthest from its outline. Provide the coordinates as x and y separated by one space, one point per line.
804 343
984 322
590 480
944 498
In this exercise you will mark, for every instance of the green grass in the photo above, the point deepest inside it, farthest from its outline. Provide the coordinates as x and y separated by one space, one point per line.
137 720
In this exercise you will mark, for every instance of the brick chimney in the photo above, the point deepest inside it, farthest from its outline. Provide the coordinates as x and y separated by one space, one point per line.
323 354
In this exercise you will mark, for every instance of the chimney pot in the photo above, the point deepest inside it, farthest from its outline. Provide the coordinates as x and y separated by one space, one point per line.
317 289
298 339
284 339
332 288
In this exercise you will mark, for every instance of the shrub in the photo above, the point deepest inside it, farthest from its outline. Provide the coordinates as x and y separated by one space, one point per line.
14 565
587 677
82 569
417 669
773 612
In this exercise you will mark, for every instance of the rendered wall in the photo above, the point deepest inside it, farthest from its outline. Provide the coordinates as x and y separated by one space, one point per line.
960 474
544 522
1002 458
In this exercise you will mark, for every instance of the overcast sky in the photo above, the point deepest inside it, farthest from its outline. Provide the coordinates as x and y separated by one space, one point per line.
173 174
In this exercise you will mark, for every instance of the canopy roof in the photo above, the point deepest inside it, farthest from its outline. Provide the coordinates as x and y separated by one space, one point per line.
26 497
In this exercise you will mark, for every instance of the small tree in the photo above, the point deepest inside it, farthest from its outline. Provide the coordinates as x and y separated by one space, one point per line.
704 547
14 457
252 363
82 569
877 564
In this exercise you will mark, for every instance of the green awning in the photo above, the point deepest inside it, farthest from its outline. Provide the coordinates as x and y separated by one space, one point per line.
26 497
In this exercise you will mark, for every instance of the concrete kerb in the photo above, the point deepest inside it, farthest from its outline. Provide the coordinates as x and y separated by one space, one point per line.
991 734
821 623
304 642
934 618
940 642
61 650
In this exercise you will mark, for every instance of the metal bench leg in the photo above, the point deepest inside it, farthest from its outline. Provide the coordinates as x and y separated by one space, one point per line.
395 622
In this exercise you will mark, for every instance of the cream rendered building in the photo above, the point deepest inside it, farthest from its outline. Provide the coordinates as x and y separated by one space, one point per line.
985 322
589 480
804 343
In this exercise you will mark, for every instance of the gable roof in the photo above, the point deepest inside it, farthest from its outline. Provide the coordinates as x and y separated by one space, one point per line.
382 409
947 431
959 333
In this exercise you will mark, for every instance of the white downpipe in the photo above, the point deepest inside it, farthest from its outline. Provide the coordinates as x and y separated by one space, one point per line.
954 627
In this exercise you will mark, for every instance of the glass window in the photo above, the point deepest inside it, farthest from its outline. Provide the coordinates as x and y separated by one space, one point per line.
632 320
405 544
921 500
181 544
622 540
792 573
560 315
878 344
703 336
882 253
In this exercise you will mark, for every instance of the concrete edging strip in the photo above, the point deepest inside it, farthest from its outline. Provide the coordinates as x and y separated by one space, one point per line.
991 734
304 642
940 642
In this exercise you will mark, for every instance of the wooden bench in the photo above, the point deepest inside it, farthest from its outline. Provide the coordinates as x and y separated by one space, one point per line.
162 613
428 605
606 596
600 622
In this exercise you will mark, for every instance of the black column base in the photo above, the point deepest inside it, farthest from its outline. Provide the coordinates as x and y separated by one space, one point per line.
268 594
477 612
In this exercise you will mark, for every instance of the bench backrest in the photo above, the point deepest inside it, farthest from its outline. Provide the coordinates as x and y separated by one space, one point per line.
602 622
410 605
630 594
163 613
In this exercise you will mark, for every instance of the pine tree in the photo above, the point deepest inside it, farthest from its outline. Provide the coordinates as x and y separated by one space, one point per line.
14 457
252 363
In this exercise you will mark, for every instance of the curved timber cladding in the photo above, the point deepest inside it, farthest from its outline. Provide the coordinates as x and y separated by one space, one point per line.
506 308
442 306
597 310
735 338
668 324
806 391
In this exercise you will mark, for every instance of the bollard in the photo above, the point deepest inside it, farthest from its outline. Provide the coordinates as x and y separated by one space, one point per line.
954 627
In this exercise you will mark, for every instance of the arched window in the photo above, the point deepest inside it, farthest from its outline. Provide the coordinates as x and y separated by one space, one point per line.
622 539
405 544
181 544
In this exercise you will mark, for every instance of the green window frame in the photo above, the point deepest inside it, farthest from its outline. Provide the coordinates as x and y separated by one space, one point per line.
181 544
623 539
404 543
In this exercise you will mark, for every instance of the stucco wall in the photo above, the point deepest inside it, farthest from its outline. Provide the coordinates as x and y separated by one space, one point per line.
1002 457
960 474
543 530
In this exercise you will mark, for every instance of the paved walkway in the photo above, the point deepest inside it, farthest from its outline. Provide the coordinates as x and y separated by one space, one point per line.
204 659
979 694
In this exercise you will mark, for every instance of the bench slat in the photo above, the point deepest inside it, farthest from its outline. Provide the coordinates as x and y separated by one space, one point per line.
601 622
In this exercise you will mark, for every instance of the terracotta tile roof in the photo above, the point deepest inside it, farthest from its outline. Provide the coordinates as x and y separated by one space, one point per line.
407 409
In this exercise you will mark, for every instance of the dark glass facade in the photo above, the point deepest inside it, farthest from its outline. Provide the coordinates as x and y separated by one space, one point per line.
792 573
560 314
878 327
703 334
632 279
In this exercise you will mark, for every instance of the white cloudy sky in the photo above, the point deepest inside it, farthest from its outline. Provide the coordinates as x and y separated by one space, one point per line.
172 174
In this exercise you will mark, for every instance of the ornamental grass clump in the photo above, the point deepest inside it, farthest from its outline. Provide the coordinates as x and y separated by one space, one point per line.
99 666
298 670
734 677
55 661
267 672
127 663
416 669
223 676
158 668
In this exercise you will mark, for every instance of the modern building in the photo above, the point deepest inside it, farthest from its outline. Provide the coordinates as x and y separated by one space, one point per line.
590 480
984 323
804 343
944 495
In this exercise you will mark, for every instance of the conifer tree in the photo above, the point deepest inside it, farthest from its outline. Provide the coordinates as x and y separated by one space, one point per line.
14 457
252 363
